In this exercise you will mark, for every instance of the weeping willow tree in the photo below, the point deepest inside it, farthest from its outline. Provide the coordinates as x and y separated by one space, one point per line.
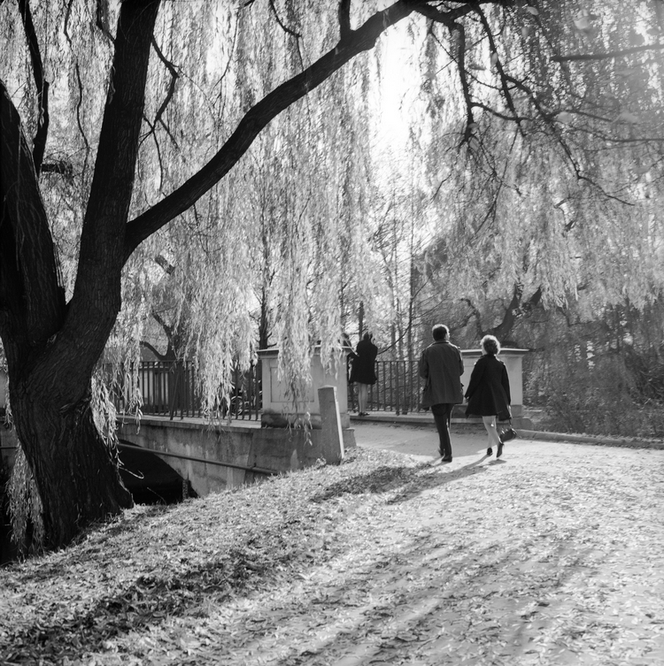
557 192
116 123
281 240
231 142
554 226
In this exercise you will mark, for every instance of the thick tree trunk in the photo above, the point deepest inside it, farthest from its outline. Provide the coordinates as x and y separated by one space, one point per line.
52 347
75 471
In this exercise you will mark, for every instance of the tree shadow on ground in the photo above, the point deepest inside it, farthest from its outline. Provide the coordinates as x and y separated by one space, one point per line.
437 476
150 598
459 575
408 481
145 602
462 591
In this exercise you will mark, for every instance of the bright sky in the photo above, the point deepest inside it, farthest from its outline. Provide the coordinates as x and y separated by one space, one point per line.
400 78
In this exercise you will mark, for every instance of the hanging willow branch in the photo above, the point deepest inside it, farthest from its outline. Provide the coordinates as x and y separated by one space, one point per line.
257 118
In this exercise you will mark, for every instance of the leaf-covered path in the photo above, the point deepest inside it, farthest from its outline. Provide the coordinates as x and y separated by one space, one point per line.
552 556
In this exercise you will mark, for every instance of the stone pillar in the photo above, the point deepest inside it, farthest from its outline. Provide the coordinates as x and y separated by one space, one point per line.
332 437
276 410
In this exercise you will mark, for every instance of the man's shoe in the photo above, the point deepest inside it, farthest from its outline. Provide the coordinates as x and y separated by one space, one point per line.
447 459
489 451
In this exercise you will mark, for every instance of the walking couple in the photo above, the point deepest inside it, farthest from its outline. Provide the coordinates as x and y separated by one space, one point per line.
488 393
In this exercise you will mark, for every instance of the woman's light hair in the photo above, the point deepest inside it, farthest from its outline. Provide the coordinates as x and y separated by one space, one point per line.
490 344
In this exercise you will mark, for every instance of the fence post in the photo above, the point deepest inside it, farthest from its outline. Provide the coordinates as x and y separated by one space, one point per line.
398 388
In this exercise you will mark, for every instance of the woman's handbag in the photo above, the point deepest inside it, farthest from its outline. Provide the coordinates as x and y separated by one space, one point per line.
507 434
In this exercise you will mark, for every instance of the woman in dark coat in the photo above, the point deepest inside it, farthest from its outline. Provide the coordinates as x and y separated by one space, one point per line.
363 371
488 392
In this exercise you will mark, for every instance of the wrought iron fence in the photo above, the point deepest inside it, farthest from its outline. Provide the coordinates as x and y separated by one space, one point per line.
170 388
397 389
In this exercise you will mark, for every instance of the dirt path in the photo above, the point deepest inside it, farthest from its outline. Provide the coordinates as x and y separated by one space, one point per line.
552 556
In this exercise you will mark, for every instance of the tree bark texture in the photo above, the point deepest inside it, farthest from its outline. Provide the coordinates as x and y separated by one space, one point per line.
52 347
75 472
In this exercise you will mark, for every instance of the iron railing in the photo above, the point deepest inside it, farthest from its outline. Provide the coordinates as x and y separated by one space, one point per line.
169 388
397 389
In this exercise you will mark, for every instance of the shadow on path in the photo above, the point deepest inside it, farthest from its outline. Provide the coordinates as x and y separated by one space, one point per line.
408 481
439 475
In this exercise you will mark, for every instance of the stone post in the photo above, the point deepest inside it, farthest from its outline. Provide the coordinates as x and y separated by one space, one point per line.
332 437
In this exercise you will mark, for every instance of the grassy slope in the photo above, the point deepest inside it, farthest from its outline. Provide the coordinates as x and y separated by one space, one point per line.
381 559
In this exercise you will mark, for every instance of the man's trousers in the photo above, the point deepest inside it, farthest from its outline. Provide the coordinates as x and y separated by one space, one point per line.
442 414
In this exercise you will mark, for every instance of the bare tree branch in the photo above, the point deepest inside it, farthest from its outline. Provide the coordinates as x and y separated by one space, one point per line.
489 109
344 19
79 105
516 309
448 17
79 81
171 87
157 146
458 32
499 67
39 142
154 350
58 166
282 25
474 313
166 265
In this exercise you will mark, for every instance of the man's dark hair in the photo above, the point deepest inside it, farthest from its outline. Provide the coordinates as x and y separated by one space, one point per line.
440 332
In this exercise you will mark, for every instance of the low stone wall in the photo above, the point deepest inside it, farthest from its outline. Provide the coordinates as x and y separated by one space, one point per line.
245 446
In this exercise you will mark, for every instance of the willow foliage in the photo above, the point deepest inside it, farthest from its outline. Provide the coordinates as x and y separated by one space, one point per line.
286 232
553 180
534 163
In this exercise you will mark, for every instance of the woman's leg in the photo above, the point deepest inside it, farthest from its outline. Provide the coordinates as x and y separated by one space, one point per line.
491 431
362 398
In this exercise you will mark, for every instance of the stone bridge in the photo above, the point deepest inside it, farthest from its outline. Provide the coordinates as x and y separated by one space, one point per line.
216 457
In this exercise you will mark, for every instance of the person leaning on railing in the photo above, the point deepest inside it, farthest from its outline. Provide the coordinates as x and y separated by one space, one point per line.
363 371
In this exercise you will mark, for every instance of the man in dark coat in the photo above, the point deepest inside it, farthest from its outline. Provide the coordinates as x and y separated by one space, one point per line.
441 367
